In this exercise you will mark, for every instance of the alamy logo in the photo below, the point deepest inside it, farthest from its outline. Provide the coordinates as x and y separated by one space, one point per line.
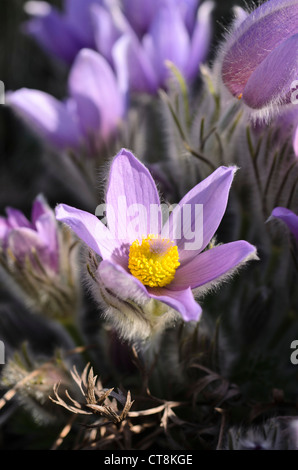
2 93
294 92
2 353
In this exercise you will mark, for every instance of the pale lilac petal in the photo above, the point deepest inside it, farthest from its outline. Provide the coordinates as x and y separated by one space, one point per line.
204 204
271 80
94 87
288 217
89 229
125 286
16 218
168 24
46 229
39 208
212 265
131 59
120 282
200 41
4 230
265 29
131 195
180 300
108 25
47 116
23 241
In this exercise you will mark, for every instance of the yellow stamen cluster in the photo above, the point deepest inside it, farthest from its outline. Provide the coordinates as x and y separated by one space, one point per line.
154 261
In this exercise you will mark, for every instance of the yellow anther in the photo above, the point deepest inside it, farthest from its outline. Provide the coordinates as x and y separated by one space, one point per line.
154 261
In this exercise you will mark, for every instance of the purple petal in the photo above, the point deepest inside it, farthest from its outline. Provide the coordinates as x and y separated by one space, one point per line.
271 81
78 16
288 217
200 41
16 218
23 242
89 229
54 35
170 41
264 30
47 116
131 198
131 60
108 25
94 87
212 265
46 228
125 286
180 300
205 203
4 230
140 14
39 208
295 142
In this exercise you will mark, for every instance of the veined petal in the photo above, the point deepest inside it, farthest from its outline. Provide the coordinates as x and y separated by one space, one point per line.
204 204
212 265
47 116
132 199
288 217
180 300
94 87
264 30
89 229
270 83
200 41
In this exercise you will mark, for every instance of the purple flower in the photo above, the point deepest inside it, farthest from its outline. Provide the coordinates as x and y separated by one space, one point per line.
259 60
168 39
87 118
62 34
141 14
31 240
153 266
288 217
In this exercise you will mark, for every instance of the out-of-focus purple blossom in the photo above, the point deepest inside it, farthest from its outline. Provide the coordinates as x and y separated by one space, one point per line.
259 59
288 217
168 39
87 118
62 34
123 245
33 239
141 14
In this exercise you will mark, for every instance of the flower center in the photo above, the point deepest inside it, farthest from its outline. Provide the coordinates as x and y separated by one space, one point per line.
154 261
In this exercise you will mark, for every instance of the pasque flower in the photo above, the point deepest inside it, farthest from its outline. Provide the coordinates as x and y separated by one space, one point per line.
62 34
149 267
169 38
33 239
87 118
288 217
259 58
37 259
